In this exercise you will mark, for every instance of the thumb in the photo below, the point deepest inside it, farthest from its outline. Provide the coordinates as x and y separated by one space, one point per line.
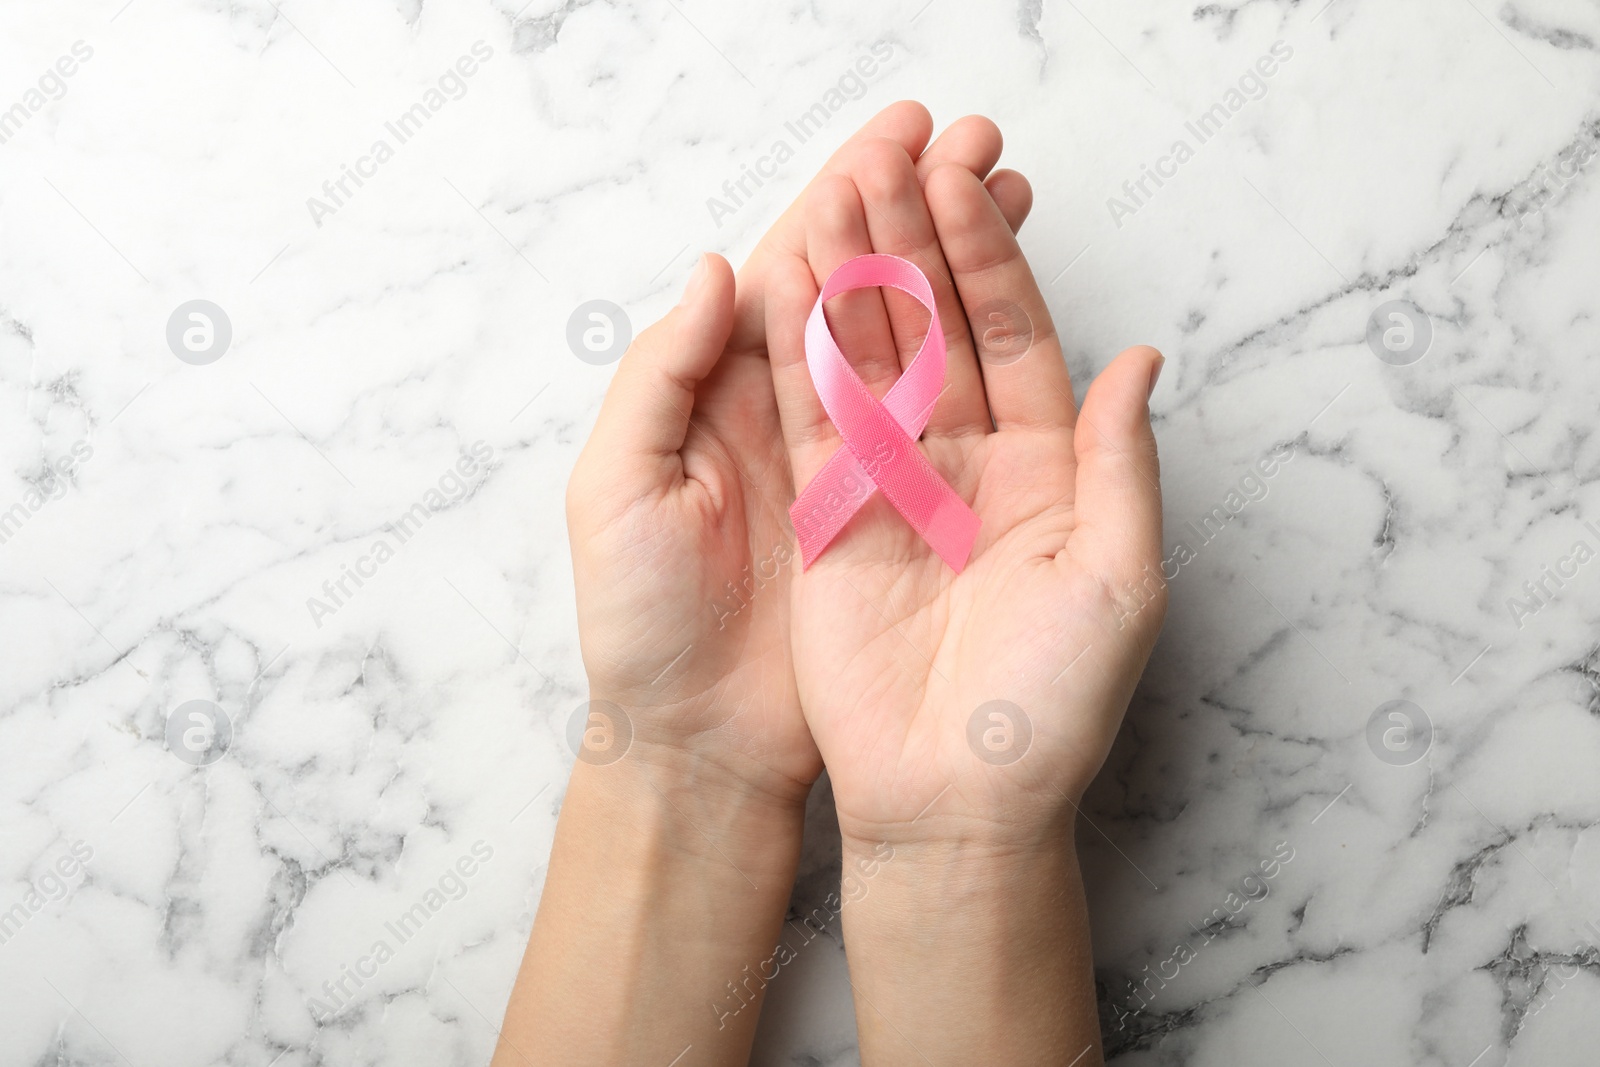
1119 476
645 415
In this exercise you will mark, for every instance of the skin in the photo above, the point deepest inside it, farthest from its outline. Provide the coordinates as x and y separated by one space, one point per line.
684 487
971 945
672 865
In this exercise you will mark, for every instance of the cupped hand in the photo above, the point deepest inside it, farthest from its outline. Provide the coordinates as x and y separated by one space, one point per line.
973 706
682 551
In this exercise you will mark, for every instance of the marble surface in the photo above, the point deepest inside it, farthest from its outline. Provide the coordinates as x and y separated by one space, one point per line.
1272 880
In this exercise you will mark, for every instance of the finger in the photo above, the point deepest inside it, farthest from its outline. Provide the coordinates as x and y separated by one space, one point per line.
1024 375
808 433
836 232
1118 495
899 223
906 123
1012 194
972 141
645 415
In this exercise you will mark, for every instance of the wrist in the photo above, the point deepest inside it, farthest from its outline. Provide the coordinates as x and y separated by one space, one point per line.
982 950
695 743
950 872
667 880
668 806
962 836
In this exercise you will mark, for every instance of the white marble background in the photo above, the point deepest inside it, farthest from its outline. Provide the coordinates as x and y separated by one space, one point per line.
1432 914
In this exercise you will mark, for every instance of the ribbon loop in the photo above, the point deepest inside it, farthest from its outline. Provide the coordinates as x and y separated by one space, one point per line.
880 448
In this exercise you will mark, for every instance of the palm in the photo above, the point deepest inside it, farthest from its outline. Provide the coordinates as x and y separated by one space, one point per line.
693 638
895 654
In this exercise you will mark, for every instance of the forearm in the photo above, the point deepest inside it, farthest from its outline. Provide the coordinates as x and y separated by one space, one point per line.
965 953
665 884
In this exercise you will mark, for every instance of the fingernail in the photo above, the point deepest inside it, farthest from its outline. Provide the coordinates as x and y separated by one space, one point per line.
697 282
1155 375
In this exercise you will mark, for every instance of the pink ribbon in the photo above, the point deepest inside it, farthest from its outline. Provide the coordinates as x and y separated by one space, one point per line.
880 447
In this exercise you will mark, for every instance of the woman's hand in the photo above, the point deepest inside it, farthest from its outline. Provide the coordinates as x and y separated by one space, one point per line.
681 555
979 705
962 716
